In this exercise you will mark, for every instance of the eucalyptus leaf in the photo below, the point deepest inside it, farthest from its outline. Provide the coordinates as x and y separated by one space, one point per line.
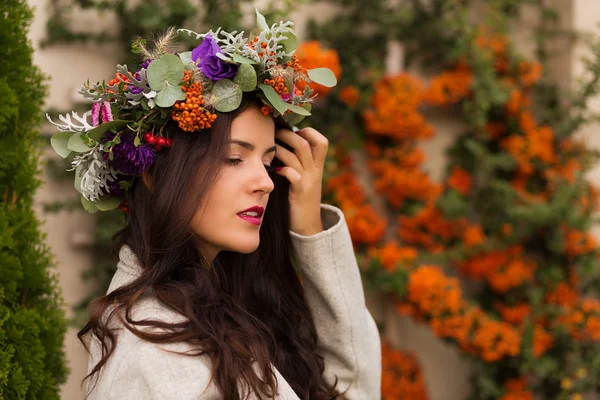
77 181
291 43
59 143
261 22
322 76
298 110
88 205
77 145
228 94
246 78
169 95
293 118
241 59
273 97
167 70
98 131
186 58
108 202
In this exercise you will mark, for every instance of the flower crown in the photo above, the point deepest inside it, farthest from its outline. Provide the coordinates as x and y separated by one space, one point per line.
117 140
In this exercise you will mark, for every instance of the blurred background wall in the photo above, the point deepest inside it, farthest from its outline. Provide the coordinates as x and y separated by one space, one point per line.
69 234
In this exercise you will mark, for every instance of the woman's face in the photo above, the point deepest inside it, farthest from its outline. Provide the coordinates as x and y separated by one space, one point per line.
244 183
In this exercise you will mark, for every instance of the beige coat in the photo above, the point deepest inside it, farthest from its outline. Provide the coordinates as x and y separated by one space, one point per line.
348 338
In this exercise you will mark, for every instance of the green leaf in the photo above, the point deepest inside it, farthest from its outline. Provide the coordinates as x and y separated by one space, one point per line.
273 97
246 78
98 131
261 22
167 70
108 202
291 43
322 76
60 142
228 94
241 59
293 118
77 181
169 95
77 145
186 58
88 205
298 110
137 141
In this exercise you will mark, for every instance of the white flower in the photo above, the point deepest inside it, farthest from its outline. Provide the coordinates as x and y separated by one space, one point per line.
95 173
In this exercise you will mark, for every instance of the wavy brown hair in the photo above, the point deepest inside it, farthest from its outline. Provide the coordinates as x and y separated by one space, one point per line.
239 309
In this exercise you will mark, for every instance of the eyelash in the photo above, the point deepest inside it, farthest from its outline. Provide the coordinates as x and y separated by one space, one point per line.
236 161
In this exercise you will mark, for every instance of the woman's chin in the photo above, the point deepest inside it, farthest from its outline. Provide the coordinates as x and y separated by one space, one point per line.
246 246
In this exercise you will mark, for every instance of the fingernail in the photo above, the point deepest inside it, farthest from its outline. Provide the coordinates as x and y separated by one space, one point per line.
278 169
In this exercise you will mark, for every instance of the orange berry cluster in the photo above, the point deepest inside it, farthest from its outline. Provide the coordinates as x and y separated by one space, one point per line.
294 64
252 44
189 113
278 83
266 110
117 79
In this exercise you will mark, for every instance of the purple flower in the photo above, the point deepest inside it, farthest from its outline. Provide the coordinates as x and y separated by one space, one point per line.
114 188
216 69
135 89
207 48
145 63
127 158
205 55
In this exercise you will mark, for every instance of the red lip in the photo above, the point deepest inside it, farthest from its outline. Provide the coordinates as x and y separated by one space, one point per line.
257 209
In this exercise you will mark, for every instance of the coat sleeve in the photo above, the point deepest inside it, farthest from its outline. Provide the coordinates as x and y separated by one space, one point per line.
150 371
348 338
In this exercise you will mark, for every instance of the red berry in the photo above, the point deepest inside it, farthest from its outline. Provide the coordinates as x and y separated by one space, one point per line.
151 140
162 142
169 142
146 136
158 147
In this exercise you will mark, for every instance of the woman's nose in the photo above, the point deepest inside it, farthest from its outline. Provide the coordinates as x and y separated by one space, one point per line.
264 181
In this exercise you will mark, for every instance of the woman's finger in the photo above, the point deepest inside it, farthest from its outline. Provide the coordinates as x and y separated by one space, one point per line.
288 158
318 144
293 176
301 147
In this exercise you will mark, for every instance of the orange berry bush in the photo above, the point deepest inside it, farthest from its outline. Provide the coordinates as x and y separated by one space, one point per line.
510 217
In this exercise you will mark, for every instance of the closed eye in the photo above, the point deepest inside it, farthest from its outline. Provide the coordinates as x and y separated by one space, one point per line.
236 161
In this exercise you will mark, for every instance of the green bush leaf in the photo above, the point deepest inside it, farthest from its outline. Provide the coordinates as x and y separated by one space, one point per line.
59 142
229 95
169 95
246 78
167 70
322 76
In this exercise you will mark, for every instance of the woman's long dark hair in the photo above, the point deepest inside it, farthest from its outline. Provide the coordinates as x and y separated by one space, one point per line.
243 308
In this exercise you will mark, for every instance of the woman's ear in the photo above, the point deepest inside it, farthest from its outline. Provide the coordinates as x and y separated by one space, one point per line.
147 179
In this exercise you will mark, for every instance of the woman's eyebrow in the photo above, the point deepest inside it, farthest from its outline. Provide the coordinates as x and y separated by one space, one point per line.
250 146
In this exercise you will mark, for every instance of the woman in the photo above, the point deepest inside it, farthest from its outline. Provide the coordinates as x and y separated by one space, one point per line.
234 281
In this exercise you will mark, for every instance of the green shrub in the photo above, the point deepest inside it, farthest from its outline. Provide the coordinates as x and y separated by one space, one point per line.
32 321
